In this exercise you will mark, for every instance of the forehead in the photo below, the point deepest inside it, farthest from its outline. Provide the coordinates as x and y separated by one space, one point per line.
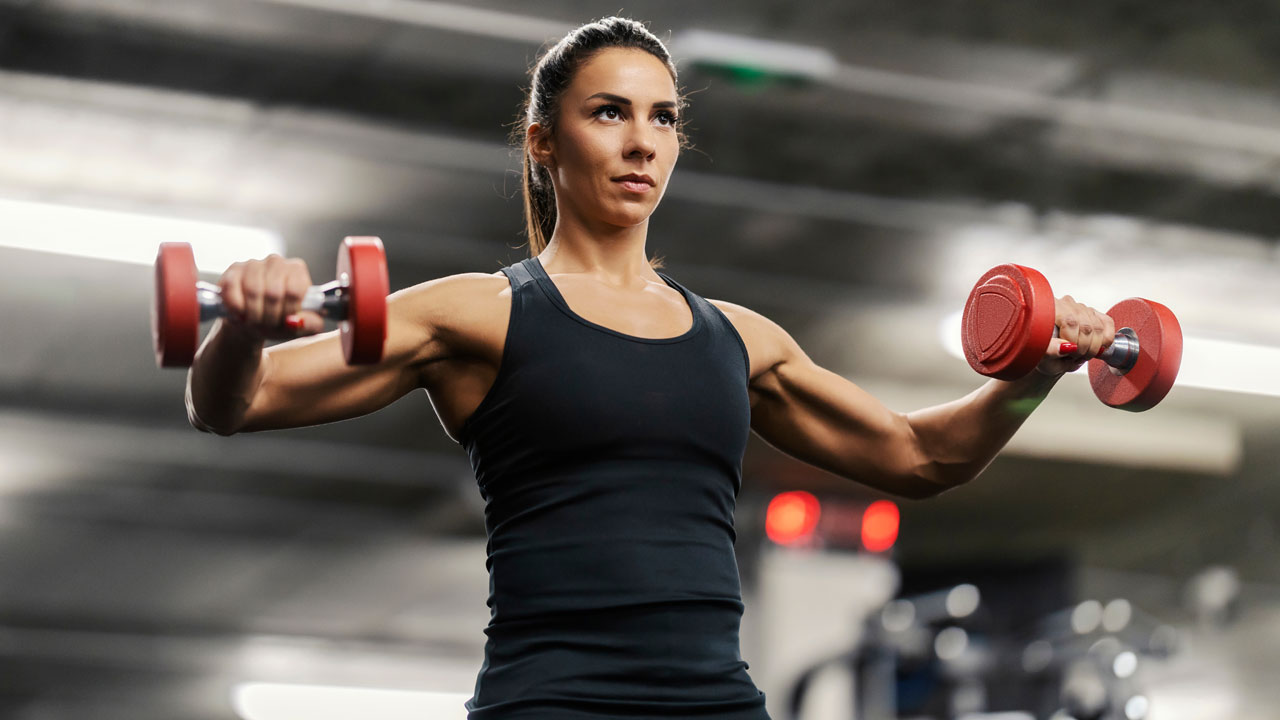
629 72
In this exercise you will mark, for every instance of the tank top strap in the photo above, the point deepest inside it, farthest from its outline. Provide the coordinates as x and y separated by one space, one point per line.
519 274
722 328
530 313
710 315
700 305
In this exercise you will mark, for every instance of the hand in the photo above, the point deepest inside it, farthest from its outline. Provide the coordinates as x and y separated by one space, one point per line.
1091 331
262 298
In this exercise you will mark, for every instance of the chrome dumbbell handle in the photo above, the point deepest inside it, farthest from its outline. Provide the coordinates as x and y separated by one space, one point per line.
1122 354
329 300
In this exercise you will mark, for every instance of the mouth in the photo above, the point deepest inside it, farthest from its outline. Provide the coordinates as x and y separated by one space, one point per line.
635 182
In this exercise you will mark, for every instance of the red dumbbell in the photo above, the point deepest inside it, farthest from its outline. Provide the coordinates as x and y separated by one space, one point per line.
357 299
1009 320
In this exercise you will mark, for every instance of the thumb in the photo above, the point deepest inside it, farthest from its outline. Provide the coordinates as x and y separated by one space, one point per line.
305 323
1060 348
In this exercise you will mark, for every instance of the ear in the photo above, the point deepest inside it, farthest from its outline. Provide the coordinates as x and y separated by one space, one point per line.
541 145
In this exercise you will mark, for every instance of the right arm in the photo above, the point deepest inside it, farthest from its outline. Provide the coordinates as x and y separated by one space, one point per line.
236 384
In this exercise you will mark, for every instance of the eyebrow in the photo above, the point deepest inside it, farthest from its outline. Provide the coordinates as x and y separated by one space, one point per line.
625 101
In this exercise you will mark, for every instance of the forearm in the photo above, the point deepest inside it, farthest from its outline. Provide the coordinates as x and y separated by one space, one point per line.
223 380
959 439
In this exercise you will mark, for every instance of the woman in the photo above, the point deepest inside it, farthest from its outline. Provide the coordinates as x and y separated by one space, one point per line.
605 408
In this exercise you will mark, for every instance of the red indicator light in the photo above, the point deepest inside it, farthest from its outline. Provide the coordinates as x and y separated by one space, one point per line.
880 526
792 517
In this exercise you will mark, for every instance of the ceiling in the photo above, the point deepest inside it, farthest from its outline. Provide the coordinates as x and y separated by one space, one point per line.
1130 148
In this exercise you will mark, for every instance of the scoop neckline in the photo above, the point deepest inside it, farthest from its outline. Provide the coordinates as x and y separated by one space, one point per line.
549 287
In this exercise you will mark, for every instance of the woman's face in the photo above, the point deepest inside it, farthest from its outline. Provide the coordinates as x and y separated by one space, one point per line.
615 140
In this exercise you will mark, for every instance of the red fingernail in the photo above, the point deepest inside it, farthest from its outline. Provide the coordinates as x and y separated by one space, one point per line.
1067 348
294 322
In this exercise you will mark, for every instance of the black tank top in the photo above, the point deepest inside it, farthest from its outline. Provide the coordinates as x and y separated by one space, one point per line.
609 466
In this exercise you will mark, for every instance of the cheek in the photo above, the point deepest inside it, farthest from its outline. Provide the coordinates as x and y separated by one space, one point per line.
672 155
585 157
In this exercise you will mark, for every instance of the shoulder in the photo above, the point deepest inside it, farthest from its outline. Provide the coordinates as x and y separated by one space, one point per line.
453 301
768 344
463 288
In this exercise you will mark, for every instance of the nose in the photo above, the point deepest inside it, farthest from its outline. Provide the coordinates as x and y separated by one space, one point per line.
640 142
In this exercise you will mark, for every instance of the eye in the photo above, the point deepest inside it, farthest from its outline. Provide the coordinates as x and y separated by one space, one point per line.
609 112
667 118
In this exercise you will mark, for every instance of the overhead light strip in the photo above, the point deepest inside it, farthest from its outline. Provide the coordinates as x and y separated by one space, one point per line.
279 701
1091 114
767 58
128 237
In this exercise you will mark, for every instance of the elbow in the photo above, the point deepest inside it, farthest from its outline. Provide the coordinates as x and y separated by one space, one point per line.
921 474
926 479
921 487
221 432
214 428
201 423
904 484
934 479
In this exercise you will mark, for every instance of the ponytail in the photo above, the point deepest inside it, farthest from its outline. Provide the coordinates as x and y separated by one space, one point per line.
539 205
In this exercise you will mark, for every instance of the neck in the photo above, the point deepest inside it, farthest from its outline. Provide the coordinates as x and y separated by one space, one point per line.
613 254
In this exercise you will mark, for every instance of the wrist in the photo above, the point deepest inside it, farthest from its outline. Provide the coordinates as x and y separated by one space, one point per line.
239 338
1038 383
1025 394
1054 375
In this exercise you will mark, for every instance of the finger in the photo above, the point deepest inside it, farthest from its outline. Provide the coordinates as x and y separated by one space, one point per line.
1069 328
1097 333
252 287
1062 348
1108 330
273 282
1068 320
1086 338
305 323
1100 332
232 294
297 281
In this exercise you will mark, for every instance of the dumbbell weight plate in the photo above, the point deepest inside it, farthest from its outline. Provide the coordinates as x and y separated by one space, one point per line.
175 312
362 266
1159 357
1008 322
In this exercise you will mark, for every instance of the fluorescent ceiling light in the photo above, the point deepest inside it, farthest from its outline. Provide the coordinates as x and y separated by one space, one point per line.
276 701
1209 364
750 54
128 237
1192 130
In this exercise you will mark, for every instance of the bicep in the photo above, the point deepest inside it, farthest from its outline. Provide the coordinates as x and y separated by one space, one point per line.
308 382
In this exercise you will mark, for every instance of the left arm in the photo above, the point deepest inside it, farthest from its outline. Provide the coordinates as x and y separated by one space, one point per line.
827 421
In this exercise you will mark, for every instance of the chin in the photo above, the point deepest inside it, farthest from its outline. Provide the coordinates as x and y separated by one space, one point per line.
629 214
635 220
624 219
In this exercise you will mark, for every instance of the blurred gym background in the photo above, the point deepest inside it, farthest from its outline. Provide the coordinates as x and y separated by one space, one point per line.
857 166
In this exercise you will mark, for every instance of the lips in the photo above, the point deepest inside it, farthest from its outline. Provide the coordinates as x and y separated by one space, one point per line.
635 182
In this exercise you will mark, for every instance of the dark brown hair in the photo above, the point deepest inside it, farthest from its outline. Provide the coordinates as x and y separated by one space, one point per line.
549 79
